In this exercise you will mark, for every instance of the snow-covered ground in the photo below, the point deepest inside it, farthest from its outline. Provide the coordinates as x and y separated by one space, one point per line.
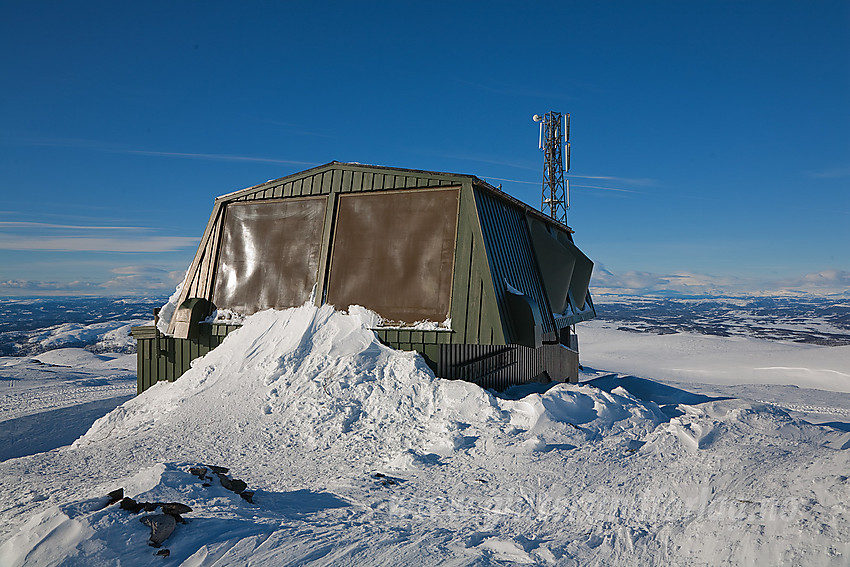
678 449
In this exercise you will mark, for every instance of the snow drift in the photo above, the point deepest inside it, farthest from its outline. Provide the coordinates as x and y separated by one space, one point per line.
359 455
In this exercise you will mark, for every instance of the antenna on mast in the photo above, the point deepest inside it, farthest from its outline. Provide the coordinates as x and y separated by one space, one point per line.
554 135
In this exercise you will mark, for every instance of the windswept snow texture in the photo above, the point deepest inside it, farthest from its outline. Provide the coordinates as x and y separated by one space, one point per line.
360 456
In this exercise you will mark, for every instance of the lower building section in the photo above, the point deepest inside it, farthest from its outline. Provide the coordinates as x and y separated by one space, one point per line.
161 357
501 366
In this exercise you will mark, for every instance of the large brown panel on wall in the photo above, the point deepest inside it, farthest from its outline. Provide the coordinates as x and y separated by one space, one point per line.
394 253
269 254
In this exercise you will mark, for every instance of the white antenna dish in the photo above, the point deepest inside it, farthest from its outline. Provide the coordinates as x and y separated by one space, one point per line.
537 118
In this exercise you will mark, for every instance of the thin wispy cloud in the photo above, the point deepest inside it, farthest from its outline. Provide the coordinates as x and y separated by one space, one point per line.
89 244
113 149
215 157
513 180
826 282
606 188
44 225
538 183
629 180
483 159
832 173
126 280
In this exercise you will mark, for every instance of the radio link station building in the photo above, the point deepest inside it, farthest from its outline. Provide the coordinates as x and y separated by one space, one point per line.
501 283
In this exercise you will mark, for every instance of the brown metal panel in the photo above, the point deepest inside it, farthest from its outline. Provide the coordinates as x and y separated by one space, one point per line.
269 254
394 253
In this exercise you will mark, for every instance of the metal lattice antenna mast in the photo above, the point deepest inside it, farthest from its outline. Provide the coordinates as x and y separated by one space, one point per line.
554 134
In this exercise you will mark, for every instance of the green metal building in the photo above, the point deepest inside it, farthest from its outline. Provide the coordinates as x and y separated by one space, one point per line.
504 283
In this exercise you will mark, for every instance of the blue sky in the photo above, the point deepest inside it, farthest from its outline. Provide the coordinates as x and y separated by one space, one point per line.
710 140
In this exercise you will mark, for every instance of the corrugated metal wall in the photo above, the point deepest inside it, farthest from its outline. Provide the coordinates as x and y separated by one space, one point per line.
161 357
341 178
511 257
501 366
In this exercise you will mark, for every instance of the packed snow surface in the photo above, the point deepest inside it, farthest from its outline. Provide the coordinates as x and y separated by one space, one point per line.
358 455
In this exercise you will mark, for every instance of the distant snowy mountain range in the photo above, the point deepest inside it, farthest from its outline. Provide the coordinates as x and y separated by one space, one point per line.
805 319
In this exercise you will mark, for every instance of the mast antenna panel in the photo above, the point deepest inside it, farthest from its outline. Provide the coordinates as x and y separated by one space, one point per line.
554 136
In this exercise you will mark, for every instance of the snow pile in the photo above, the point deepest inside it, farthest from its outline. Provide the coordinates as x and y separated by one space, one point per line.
359 455
168 309
325 382
225 316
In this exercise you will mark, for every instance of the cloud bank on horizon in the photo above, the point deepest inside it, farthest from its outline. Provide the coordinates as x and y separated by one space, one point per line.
823 283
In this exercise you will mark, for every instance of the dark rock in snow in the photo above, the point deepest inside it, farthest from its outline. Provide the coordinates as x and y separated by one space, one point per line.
386 480
234 485
163 552
115 496
174 508
200 472
218 470
130 505
247 495
162 525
